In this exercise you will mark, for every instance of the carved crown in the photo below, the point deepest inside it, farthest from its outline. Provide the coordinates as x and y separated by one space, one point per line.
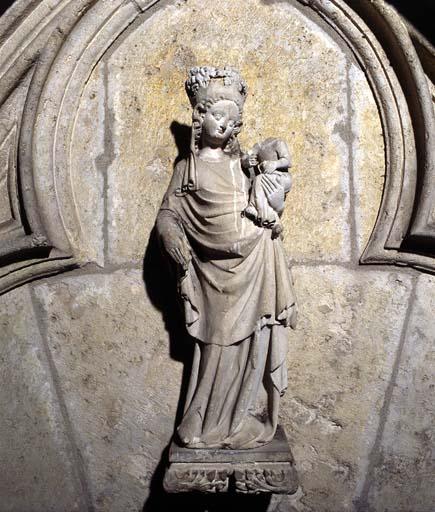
208 83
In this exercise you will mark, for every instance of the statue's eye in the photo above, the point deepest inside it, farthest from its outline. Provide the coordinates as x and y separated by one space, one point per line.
217 115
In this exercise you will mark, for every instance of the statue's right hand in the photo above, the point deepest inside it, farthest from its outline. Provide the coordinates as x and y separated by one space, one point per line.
274 193
172 238
179 250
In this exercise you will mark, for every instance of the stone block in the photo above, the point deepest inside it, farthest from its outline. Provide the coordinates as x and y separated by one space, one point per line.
297 78
121 387
368 153
38 469
10 115
404 477
340 363
266 469
89 157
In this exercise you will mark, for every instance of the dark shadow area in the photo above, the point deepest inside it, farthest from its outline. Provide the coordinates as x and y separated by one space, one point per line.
161 287
422 245
4 6
182 135
226 502
421 14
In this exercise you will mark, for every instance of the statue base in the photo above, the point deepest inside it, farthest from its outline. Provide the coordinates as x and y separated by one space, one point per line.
267 469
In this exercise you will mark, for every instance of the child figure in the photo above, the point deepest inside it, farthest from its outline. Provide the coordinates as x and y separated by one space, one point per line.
270 157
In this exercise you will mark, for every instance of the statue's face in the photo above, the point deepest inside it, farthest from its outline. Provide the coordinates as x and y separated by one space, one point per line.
219 122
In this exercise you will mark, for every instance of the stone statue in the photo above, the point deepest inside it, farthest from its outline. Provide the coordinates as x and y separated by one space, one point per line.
220 226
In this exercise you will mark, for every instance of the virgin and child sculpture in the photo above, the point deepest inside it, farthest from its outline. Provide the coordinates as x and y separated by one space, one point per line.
219 223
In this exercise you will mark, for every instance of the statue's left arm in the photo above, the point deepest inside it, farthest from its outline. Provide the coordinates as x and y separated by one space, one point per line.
284 159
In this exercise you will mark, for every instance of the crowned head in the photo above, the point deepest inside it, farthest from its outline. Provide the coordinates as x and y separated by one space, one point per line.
207 87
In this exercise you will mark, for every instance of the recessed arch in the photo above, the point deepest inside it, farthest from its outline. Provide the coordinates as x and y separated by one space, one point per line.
70 39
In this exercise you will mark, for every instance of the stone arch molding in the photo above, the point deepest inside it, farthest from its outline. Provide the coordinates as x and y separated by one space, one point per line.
48 50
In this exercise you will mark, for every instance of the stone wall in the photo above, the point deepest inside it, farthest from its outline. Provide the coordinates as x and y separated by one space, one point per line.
94 360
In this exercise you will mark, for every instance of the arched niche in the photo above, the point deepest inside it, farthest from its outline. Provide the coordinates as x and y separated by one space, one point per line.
48 52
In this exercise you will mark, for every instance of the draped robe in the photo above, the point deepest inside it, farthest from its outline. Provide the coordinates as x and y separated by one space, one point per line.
238 303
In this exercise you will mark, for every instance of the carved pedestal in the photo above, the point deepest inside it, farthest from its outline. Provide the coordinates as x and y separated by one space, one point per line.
269 468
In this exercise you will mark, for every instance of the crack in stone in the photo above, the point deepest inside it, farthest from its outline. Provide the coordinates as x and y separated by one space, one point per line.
311 414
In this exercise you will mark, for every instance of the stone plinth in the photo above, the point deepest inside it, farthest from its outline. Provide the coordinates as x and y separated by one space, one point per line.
269 468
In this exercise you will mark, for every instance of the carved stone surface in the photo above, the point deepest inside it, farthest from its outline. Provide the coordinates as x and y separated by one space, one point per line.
368 150
262 477
111 353
106 351
275 478
39 469
404 230
404 458
267 469
197 477
361 362
275 451
10 114
341 360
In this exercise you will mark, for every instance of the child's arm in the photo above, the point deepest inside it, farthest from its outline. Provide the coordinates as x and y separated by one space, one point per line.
283 161
283 153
